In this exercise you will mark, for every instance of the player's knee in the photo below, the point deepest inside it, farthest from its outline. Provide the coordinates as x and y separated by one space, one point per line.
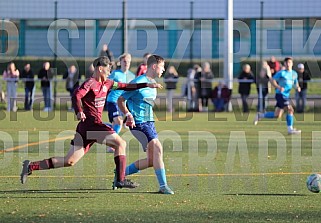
290 110
157 147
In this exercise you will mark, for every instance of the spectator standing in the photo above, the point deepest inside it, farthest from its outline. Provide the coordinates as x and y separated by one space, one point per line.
72 80
263 79
220 96
142 68
170 80
90 71
204 85
28 76
11 76
246 78
274 65
301 96
45 75
190 91
106 52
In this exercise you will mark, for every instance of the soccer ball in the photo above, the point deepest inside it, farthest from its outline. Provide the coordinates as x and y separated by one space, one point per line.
314 183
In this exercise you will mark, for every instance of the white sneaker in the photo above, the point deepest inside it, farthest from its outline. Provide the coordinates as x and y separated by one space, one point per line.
256 118
294 132
46 109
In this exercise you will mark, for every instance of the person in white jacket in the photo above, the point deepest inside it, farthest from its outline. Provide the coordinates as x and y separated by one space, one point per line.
11 76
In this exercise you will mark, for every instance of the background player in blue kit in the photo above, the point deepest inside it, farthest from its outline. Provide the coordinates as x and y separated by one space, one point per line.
123 75
140 119
283 81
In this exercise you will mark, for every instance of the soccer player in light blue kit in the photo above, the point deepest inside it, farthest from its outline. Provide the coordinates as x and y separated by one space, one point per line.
123 75
283 81
140 119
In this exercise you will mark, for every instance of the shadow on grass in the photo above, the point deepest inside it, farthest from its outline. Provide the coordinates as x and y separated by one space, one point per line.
73 191
55 191
268 195
48 197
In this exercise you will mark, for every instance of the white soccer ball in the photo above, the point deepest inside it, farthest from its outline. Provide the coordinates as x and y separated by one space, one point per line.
314 183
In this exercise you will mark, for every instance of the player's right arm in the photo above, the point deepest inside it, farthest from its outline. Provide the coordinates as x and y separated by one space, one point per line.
274 82
122 106
78 94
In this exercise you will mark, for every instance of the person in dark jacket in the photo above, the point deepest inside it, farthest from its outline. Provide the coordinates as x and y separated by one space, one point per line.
301 97
28 76
246 78
263 79
221 95
72 80
170 80
45 76
90 71
204 85
106 52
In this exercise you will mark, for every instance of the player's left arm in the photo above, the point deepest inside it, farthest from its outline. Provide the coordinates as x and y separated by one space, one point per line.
135 86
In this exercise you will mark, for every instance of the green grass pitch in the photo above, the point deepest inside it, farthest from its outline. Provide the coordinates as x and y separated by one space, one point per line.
221 167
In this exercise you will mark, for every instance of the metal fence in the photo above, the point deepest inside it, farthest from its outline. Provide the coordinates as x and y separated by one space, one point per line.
177 39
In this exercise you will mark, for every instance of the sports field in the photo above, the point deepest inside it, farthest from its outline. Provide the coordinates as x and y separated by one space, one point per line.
221 167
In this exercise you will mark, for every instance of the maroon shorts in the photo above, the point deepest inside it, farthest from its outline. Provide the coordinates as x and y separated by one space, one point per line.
89 133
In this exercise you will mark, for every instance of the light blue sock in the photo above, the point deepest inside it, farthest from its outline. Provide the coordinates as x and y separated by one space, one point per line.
131 169
269 115
289 120
117 128
161 177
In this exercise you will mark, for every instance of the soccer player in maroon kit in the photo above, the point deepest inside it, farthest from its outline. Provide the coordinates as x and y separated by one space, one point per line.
88 101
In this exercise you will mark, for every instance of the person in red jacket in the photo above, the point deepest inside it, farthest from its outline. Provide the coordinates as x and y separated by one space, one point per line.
274 65
142 68
88 102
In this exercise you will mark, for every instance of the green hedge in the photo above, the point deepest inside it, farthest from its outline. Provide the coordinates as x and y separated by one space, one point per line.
313 65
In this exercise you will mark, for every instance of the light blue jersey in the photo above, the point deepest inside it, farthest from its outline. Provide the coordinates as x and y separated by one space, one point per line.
119 76
140 102
286 79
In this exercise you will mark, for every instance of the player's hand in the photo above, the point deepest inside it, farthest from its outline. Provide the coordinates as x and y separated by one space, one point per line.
281 89
299 89
130 121
154 85
81 116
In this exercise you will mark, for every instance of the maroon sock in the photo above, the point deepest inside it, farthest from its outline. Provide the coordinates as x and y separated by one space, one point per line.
41 165
120 162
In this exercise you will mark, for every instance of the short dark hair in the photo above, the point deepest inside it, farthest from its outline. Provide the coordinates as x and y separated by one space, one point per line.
154 59
101 61
287 59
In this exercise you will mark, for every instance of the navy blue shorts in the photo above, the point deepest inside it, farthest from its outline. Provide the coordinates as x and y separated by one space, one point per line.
144 133
113 111
281 101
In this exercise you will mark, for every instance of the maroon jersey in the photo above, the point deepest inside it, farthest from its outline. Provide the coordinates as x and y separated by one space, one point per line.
90 97
142 68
